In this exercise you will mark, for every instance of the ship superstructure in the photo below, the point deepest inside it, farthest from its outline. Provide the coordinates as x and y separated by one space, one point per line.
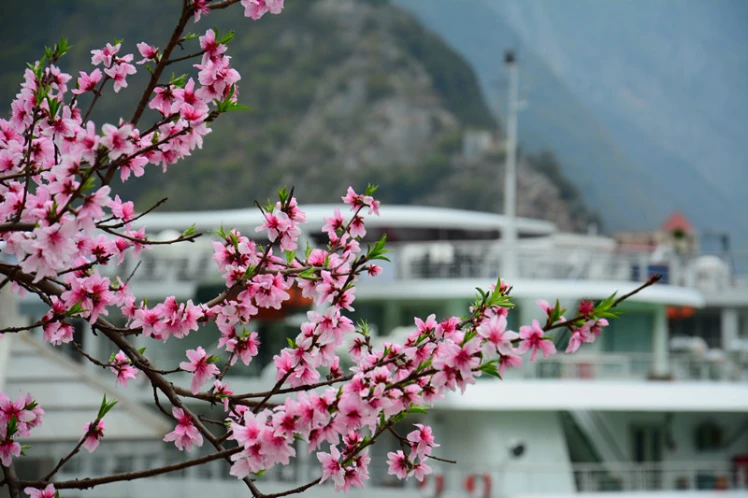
658 404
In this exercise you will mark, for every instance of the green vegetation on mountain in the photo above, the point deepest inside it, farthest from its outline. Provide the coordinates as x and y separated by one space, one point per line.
341 92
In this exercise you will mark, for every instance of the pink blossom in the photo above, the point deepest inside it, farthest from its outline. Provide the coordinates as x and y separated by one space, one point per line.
508 361
223 392
210 45
119 72
420 470
104 55
185 434
595 328
422 440
374 270
121 366
92 436
497 338
201 8
86 82
585 308
331 467
398 464
357 201
201 367
48 492
543 304
334 223
576 339
148 52
9 449
532 339
117 140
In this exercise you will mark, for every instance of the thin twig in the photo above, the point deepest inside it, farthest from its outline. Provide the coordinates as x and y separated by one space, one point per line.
131 476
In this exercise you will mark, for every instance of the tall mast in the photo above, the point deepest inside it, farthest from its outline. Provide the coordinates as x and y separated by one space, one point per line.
509 233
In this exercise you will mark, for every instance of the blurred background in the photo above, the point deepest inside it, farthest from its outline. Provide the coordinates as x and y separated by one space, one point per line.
631 159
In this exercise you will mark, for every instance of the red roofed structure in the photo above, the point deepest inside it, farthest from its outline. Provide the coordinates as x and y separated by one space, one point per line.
677 222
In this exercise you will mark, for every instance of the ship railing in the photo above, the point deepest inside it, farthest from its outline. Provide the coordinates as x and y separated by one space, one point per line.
482 259
660 476
627 366
507 479
471 259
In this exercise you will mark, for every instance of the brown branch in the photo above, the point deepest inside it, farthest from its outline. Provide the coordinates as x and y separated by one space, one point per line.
568 323
146 242
156 74
65 459
16 227
11 480
131 476
185 57
120 225
222 4
159 381
97 94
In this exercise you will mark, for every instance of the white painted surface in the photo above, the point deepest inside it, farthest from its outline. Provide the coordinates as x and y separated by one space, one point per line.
530 289
390 216
71 396
653 396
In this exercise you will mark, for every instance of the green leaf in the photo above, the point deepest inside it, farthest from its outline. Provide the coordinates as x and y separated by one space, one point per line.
63 47
497 298
491 368
190 231
105 407
249 271
363 327
291 343
191 36
76 309
233 106
378 251
370 189
606 304
283 195
213 358
290 256
308 274
226 38
141 350
12 427
90 183
54 106
178 81
418 409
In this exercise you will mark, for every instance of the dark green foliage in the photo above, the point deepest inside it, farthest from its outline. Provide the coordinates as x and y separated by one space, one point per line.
290 64
451 76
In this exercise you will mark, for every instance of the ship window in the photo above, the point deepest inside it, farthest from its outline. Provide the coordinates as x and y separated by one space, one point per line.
646 443
704 324
632 335
708 436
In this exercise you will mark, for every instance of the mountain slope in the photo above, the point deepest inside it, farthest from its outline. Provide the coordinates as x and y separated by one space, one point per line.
342 92
641 101
554 118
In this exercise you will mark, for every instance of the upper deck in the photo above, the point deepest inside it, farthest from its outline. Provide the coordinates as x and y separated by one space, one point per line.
431 243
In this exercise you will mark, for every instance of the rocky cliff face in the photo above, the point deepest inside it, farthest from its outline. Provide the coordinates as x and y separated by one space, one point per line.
342 92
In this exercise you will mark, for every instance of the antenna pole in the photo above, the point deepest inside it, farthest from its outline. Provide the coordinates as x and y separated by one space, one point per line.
509 233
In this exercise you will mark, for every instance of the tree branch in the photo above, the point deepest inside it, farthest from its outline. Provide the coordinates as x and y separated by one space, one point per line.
131 476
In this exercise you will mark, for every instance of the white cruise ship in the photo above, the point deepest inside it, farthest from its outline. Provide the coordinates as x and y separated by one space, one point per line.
658 406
